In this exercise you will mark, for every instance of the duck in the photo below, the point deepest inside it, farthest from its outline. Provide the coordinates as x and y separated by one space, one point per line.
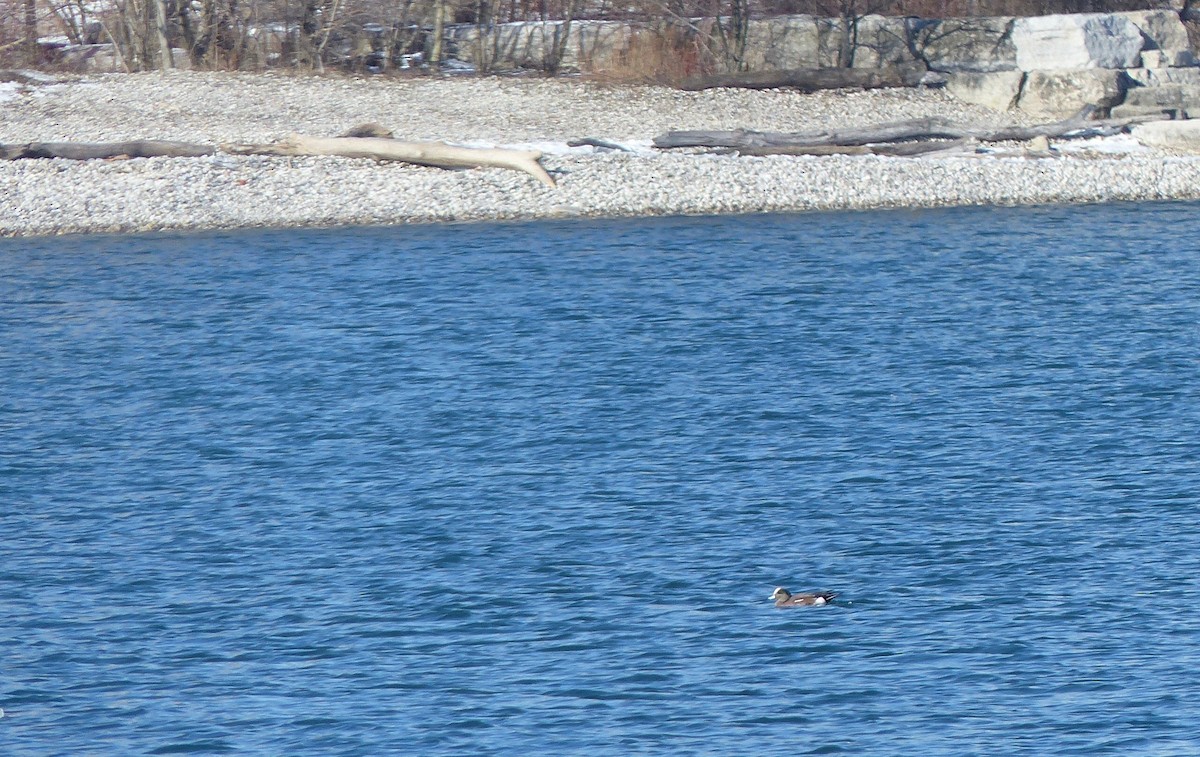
784 598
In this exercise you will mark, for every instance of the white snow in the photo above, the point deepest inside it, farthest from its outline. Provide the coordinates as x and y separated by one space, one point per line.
1120 144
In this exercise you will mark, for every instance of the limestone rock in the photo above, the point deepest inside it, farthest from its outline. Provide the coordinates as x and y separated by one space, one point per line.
1061 94
1166 101
998 90
782 43
882 41
1163 102
1180 136
878 41
1077 41
980 45
1168 58
1162 29
1039 145
830 34
1140 77
1157 77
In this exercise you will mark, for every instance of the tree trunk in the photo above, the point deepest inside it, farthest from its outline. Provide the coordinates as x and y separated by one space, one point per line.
307 42
159 34
733 38
439 31
31 33
847 38
556 51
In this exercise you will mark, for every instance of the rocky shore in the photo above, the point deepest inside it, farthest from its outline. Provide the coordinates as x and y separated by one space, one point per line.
44 197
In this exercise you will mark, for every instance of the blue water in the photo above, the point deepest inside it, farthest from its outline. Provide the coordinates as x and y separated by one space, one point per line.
525 489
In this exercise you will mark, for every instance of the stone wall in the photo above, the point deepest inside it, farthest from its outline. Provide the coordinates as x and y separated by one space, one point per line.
1048 65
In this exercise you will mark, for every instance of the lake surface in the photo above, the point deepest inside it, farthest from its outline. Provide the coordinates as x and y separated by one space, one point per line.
525 489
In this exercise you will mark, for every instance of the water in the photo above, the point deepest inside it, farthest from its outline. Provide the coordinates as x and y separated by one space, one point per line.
525 489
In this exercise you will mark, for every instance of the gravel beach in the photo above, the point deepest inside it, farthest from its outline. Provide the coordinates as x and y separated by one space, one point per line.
44 197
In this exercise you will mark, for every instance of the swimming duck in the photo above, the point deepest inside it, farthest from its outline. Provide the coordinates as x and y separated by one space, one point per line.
784 598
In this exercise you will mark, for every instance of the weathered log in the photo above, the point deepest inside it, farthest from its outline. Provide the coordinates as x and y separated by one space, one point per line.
603 144
894 150
438 154
139 148
814 79
921 129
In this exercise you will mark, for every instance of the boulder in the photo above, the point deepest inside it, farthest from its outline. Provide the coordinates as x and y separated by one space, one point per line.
882 41
1140 77
1162 29
877 42
1166 100
1157 77
998 90
1061 94
782 43
980 45
595 45
1162 102
1168 58
829 35
1178 136
1085 40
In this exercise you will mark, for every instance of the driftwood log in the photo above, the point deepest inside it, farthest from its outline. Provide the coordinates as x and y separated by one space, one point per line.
437 154
917 130
139 148
603 144
890 149
814 79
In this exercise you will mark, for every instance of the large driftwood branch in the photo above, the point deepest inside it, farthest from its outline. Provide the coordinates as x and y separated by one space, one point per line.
814 79
921 129
438 154
893 149
140 148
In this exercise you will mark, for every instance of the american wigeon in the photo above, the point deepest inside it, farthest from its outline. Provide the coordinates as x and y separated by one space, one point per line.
784 598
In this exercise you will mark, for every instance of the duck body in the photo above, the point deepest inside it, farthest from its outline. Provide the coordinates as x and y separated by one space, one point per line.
784 598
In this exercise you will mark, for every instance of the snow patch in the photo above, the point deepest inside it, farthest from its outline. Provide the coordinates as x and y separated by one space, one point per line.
1119 144
551 147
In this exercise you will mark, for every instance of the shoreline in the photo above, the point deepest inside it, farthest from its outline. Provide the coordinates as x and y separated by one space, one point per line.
200 231
223 192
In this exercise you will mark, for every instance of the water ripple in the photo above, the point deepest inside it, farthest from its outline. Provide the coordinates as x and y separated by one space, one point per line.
525 488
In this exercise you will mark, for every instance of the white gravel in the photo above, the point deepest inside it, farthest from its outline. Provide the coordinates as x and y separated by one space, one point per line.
59 196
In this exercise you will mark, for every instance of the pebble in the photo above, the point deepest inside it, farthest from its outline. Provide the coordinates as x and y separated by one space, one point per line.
42 197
